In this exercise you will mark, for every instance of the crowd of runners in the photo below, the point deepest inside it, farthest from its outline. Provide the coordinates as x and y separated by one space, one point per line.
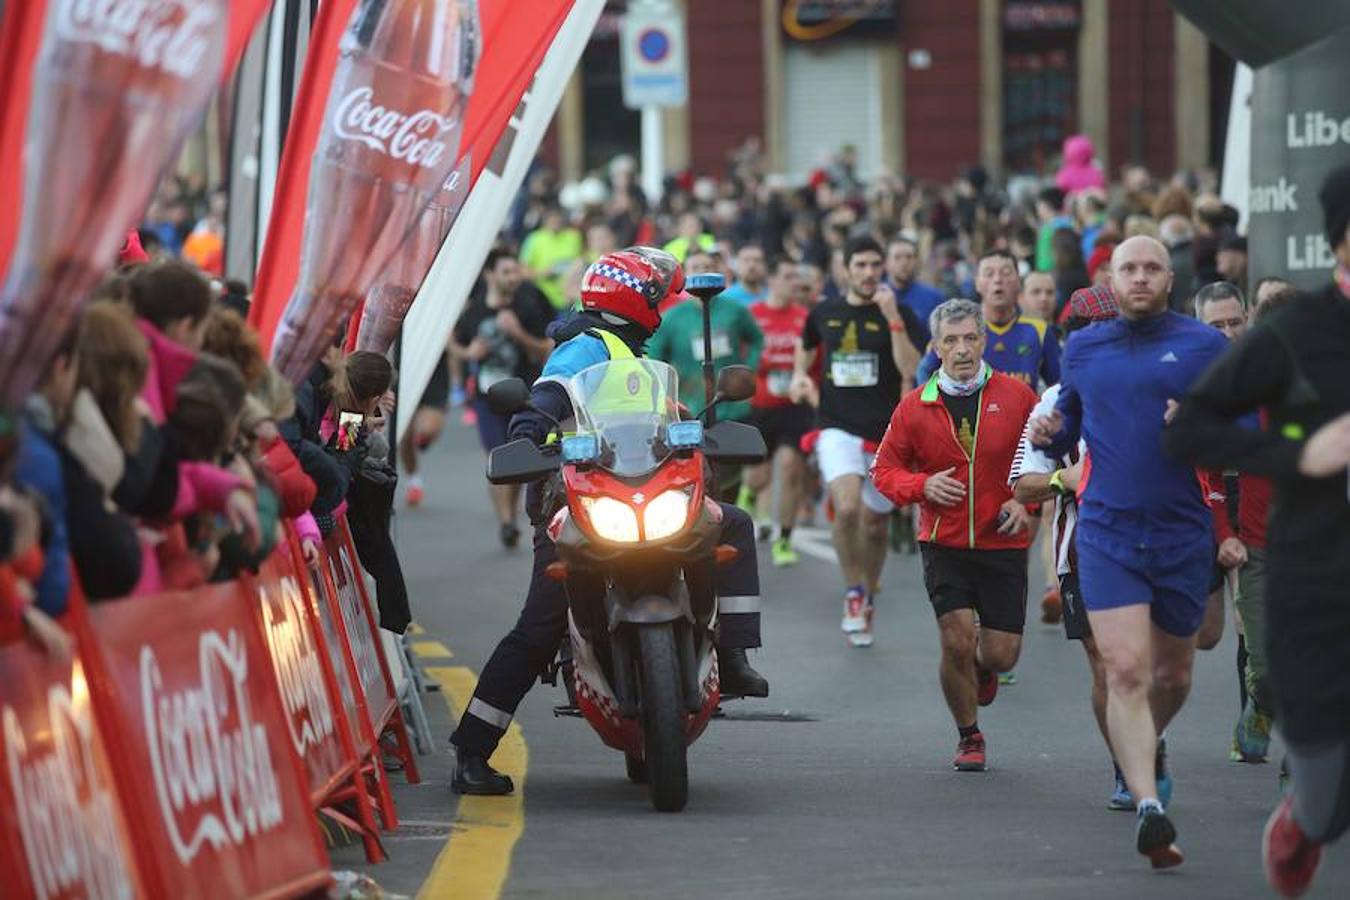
1091 404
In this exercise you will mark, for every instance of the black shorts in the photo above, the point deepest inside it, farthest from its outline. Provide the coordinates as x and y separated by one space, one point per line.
1076 625
437 394
783 426
991 582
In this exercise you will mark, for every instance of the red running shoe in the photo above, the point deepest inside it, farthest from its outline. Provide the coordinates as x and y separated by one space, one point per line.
1290 858
970 754
1052 609
988 686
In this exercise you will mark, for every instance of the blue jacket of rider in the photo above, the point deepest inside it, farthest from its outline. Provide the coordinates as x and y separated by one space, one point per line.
576 350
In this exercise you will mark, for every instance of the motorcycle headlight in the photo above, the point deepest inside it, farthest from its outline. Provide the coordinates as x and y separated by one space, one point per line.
666 514
611 519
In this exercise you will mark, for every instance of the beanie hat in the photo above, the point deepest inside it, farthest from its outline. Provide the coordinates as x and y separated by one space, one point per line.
1335 200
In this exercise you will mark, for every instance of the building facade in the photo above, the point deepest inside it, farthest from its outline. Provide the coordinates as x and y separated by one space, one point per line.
924 87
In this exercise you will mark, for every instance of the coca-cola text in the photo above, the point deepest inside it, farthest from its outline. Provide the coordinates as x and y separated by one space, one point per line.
170 35
211 764
412 137
67 814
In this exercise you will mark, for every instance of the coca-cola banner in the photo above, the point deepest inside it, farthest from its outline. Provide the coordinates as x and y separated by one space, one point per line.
298 664
502 141
208 754
375 135
112 91
387 304
62 829
346 147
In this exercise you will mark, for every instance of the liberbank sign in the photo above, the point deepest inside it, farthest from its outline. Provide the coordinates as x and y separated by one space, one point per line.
1300 132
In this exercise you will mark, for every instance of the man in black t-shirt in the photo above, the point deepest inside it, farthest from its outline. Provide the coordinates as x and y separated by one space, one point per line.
501 333
867 361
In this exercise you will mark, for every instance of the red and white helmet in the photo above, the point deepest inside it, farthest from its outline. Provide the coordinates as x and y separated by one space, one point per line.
632 284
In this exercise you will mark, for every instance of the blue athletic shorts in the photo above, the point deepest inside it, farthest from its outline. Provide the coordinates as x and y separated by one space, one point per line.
1172 579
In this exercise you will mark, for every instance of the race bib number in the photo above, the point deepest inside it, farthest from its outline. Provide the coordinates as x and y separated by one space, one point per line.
850 370
778 381
488 377
721 345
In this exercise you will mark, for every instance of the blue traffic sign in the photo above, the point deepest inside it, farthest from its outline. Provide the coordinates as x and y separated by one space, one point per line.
653 45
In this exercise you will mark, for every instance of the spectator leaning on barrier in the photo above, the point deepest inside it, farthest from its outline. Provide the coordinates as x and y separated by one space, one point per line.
103 427
171 302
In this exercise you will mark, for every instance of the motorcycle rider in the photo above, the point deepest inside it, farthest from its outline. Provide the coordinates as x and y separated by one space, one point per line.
620 296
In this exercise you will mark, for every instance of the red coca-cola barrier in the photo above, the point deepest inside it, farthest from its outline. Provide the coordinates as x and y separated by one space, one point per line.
62 828
377 708
181 750
321 728
181 691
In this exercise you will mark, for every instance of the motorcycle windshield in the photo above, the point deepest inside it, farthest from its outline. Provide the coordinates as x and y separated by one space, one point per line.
626 404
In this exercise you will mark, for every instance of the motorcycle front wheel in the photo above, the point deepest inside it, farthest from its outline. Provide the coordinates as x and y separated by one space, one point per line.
663 718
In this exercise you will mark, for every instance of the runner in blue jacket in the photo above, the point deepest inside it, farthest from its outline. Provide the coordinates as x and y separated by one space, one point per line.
1145 540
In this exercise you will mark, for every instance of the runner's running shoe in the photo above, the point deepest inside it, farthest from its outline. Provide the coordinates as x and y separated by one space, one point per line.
783 553
1289 856
1156 838
1252 735
970 754
1121 801
988 686
855 603
416 493
745 499
1052 608
1007 678
864 638
1164 775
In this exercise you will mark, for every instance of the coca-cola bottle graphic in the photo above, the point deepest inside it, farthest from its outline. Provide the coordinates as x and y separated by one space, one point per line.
389 300
390 139
117 87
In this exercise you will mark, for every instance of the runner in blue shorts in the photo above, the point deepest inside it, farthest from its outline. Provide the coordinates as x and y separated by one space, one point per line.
1145 535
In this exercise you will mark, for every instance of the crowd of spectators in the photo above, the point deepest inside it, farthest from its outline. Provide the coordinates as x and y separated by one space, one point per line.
162 452
1063 225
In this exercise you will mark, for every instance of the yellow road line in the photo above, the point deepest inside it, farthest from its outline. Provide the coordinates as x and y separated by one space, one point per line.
414 629
476 860
431 650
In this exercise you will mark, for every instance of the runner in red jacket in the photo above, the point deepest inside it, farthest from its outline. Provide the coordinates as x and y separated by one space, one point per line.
949 448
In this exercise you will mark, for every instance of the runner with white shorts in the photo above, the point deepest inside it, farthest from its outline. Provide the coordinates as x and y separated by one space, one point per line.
867 361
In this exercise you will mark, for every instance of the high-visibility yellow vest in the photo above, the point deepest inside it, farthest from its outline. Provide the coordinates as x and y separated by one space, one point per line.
627 388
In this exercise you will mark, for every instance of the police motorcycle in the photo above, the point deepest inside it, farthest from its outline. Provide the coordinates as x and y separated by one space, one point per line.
636 533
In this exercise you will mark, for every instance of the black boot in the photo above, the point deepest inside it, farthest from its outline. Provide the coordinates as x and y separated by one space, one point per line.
473 775
738 678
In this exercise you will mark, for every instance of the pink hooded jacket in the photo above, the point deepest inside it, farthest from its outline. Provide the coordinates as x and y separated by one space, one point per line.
1079 172
201 485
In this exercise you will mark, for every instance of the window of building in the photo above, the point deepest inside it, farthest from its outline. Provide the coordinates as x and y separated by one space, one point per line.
1040 82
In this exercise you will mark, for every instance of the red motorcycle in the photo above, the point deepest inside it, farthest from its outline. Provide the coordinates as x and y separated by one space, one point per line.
636 536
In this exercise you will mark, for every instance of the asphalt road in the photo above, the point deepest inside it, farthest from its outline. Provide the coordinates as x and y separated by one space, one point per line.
838 785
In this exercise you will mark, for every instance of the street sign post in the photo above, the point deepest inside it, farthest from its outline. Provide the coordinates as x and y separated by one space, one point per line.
655 75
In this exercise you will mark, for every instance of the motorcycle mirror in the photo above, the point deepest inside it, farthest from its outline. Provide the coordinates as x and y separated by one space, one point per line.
735 383
506 398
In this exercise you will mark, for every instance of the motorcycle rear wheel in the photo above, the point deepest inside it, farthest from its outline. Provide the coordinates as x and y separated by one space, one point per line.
663 718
